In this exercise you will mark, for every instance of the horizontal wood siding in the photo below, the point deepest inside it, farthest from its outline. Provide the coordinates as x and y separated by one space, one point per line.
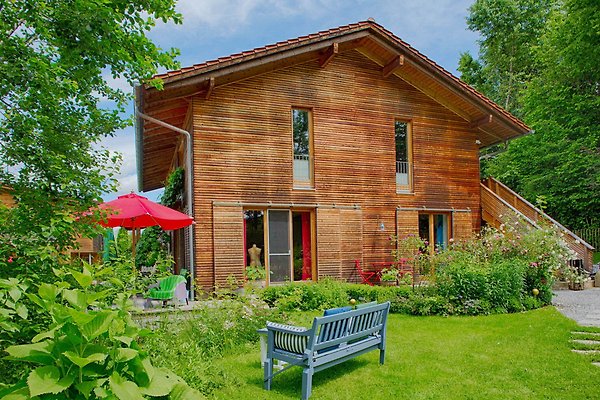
228 228
351 242
407 223
462 225
243 151
329 243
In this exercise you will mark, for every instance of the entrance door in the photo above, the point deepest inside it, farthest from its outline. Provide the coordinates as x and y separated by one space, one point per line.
280 254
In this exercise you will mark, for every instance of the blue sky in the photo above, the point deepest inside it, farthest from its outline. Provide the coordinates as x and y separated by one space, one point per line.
217 28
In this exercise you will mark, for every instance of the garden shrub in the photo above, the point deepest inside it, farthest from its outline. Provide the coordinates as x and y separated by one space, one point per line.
91 349
484 288
188 342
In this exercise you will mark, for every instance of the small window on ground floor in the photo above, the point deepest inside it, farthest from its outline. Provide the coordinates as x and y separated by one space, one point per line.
435 229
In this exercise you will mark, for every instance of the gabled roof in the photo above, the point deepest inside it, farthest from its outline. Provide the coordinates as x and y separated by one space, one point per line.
493 123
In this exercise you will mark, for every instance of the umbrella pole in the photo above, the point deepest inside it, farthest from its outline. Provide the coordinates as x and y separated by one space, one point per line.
134 238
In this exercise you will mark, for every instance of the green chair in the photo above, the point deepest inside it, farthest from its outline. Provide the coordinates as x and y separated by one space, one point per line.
166 288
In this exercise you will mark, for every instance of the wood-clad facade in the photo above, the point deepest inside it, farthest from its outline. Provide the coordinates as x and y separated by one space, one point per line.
243 155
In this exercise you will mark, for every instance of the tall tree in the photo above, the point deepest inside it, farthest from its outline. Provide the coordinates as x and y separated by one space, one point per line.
55 102
561 161
510 30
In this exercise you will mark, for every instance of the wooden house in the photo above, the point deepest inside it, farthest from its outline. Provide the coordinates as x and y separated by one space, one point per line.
316 150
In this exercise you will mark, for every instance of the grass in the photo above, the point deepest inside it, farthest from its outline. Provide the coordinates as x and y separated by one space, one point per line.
596 257
516 356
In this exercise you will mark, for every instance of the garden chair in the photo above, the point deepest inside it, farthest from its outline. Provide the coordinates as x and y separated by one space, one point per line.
368 277
167 289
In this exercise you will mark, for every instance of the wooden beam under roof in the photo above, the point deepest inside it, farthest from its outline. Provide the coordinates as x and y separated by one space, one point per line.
479 122
392 66
177 93
209 88
328 55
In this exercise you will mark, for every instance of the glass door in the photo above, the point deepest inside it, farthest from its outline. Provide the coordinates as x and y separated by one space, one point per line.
280 254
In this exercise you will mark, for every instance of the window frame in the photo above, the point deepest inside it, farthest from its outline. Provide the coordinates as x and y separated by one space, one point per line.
403 189
310 184
431 228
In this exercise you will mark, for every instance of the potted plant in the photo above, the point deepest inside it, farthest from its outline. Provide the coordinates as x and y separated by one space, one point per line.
576 280
389 277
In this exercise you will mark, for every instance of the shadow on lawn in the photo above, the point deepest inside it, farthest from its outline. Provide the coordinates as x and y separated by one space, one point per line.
289 383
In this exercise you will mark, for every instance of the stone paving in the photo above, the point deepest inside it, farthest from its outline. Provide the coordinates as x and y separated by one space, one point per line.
583 306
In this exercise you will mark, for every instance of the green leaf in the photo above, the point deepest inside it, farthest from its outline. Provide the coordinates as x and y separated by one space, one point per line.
125 354
76 298
36 352
81 318
162 383
17 390
19 394
86 387
48 292
46 335
21 311
15 293
124 339
83 361
182 391
47 380
99 325
124 389
84 279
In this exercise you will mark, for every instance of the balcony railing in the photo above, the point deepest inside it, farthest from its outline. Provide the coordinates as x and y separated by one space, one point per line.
403 175
302 165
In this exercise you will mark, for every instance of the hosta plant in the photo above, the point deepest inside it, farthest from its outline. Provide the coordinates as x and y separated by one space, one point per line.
91 350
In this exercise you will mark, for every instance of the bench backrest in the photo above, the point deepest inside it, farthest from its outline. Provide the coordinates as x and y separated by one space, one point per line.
348 327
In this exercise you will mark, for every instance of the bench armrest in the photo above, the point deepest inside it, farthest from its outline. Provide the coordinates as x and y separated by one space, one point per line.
293 339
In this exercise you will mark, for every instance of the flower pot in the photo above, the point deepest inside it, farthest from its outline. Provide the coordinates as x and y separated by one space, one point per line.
576 285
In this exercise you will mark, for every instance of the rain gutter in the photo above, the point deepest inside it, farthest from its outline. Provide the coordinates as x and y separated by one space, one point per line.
188 169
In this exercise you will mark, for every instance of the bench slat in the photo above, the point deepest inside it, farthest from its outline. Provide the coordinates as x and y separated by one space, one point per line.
331 340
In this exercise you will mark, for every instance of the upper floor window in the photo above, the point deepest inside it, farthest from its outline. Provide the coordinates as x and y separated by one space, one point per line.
303 160
403 156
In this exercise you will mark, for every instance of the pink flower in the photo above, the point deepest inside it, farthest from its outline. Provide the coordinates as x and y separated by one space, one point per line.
10 259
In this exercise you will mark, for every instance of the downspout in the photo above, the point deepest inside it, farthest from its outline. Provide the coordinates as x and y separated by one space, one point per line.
188 171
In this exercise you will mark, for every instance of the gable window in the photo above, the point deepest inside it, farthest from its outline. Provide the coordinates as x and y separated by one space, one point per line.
303 160
403 156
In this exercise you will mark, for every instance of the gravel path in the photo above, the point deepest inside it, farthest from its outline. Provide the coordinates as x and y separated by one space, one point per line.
583 306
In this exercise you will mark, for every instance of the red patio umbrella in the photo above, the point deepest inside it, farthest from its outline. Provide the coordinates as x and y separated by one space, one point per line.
136 212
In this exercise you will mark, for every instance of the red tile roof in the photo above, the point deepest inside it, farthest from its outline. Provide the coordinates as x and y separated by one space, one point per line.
322 35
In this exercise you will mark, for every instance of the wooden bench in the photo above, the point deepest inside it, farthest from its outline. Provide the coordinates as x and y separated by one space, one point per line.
331 340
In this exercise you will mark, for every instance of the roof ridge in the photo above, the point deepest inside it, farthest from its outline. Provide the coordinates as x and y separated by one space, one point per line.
368 23
264 48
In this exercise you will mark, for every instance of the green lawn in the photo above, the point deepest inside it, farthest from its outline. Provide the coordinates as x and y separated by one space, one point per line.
517 356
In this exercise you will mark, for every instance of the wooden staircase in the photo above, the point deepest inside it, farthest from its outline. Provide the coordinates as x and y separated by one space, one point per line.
498 199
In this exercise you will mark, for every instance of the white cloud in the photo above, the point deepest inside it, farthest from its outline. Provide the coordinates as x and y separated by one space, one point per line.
124 143
226 17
